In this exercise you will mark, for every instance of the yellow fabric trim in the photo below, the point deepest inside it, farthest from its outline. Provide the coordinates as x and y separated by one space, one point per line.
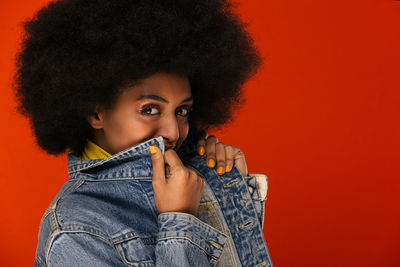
93 151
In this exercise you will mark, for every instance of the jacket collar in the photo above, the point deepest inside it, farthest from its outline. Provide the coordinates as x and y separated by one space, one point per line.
139 152
132 162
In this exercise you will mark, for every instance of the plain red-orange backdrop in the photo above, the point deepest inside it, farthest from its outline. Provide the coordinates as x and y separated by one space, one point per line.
321 120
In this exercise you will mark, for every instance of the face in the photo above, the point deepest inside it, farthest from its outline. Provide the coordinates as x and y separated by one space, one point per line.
157 106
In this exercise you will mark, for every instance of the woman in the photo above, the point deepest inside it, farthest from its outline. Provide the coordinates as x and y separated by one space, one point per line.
128 88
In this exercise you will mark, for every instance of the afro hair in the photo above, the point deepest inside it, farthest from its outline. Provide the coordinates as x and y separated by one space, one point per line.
77 54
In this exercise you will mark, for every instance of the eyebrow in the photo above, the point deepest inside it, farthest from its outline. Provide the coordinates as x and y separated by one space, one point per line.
159 98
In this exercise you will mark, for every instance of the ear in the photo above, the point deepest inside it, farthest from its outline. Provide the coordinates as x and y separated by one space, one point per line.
96 119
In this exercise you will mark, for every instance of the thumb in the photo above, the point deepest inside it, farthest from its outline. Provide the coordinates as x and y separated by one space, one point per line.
158 164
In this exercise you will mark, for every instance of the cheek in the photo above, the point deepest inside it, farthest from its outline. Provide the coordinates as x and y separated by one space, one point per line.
142 130
131 129
183 130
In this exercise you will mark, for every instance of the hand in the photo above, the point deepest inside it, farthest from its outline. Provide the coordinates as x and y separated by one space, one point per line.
224 155
182 191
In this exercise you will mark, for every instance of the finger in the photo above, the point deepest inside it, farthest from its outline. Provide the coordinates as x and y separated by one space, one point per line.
173 160
158 164
229 154
210 150
220 155
201 144
240 163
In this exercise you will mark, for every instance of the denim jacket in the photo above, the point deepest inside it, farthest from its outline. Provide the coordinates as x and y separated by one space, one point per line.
105 215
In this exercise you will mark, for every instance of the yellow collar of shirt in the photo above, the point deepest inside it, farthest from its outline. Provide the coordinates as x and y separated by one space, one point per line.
93 151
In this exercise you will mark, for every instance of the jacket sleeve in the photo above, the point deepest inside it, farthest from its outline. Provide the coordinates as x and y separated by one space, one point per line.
182 240
258 186
81 249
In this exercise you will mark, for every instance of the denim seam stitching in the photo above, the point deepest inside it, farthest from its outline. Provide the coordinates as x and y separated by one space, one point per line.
262 213
55 217
258 222
134 263
41 262
203 224
59 201
119 241
90 229
155 212
126 261
234 251
59 232
194 243
105 179
246 201
79 166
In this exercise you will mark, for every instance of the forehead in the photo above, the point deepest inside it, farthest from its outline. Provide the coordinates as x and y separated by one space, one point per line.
172 87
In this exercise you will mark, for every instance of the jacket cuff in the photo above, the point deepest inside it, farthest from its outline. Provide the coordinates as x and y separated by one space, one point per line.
180 225
258 186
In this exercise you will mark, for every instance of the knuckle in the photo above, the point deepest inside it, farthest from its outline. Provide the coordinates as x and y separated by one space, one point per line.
156 184
168 152
240 153
221 162
155 156
229 147
192 173
182 171
210 154
220 145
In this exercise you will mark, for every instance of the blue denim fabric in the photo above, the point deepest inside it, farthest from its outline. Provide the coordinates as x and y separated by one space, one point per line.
105 215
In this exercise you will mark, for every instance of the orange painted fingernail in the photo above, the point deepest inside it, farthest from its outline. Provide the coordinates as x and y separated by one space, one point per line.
227 169
211 163
201 150
220 170
152 149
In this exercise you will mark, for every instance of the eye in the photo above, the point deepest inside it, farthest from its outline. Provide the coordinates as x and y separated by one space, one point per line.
183 111
150 110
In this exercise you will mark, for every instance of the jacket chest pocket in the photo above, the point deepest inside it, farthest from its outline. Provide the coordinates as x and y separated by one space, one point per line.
210 212
135 250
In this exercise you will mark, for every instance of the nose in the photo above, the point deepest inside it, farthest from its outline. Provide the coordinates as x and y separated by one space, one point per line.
169 129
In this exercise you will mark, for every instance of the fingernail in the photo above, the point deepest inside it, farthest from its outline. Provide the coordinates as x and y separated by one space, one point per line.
211 163
227 169
201 150
220 170
152 149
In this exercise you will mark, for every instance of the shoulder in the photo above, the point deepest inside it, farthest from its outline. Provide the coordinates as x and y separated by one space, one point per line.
102 209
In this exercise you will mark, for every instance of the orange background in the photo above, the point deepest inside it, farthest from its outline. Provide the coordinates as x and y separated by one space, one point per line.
321 120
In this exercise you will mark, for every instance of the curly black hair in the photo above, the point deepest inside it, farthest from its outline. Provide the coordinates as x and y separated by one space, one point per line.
77 54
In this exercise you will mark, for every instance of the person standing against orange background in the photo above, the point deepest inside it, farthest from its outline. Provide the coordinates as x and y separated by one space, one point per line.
129 88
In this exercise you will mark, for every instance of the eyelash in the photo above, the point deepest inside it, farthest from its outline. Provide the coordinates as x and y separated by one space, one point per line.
144 110
188 110
147 108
